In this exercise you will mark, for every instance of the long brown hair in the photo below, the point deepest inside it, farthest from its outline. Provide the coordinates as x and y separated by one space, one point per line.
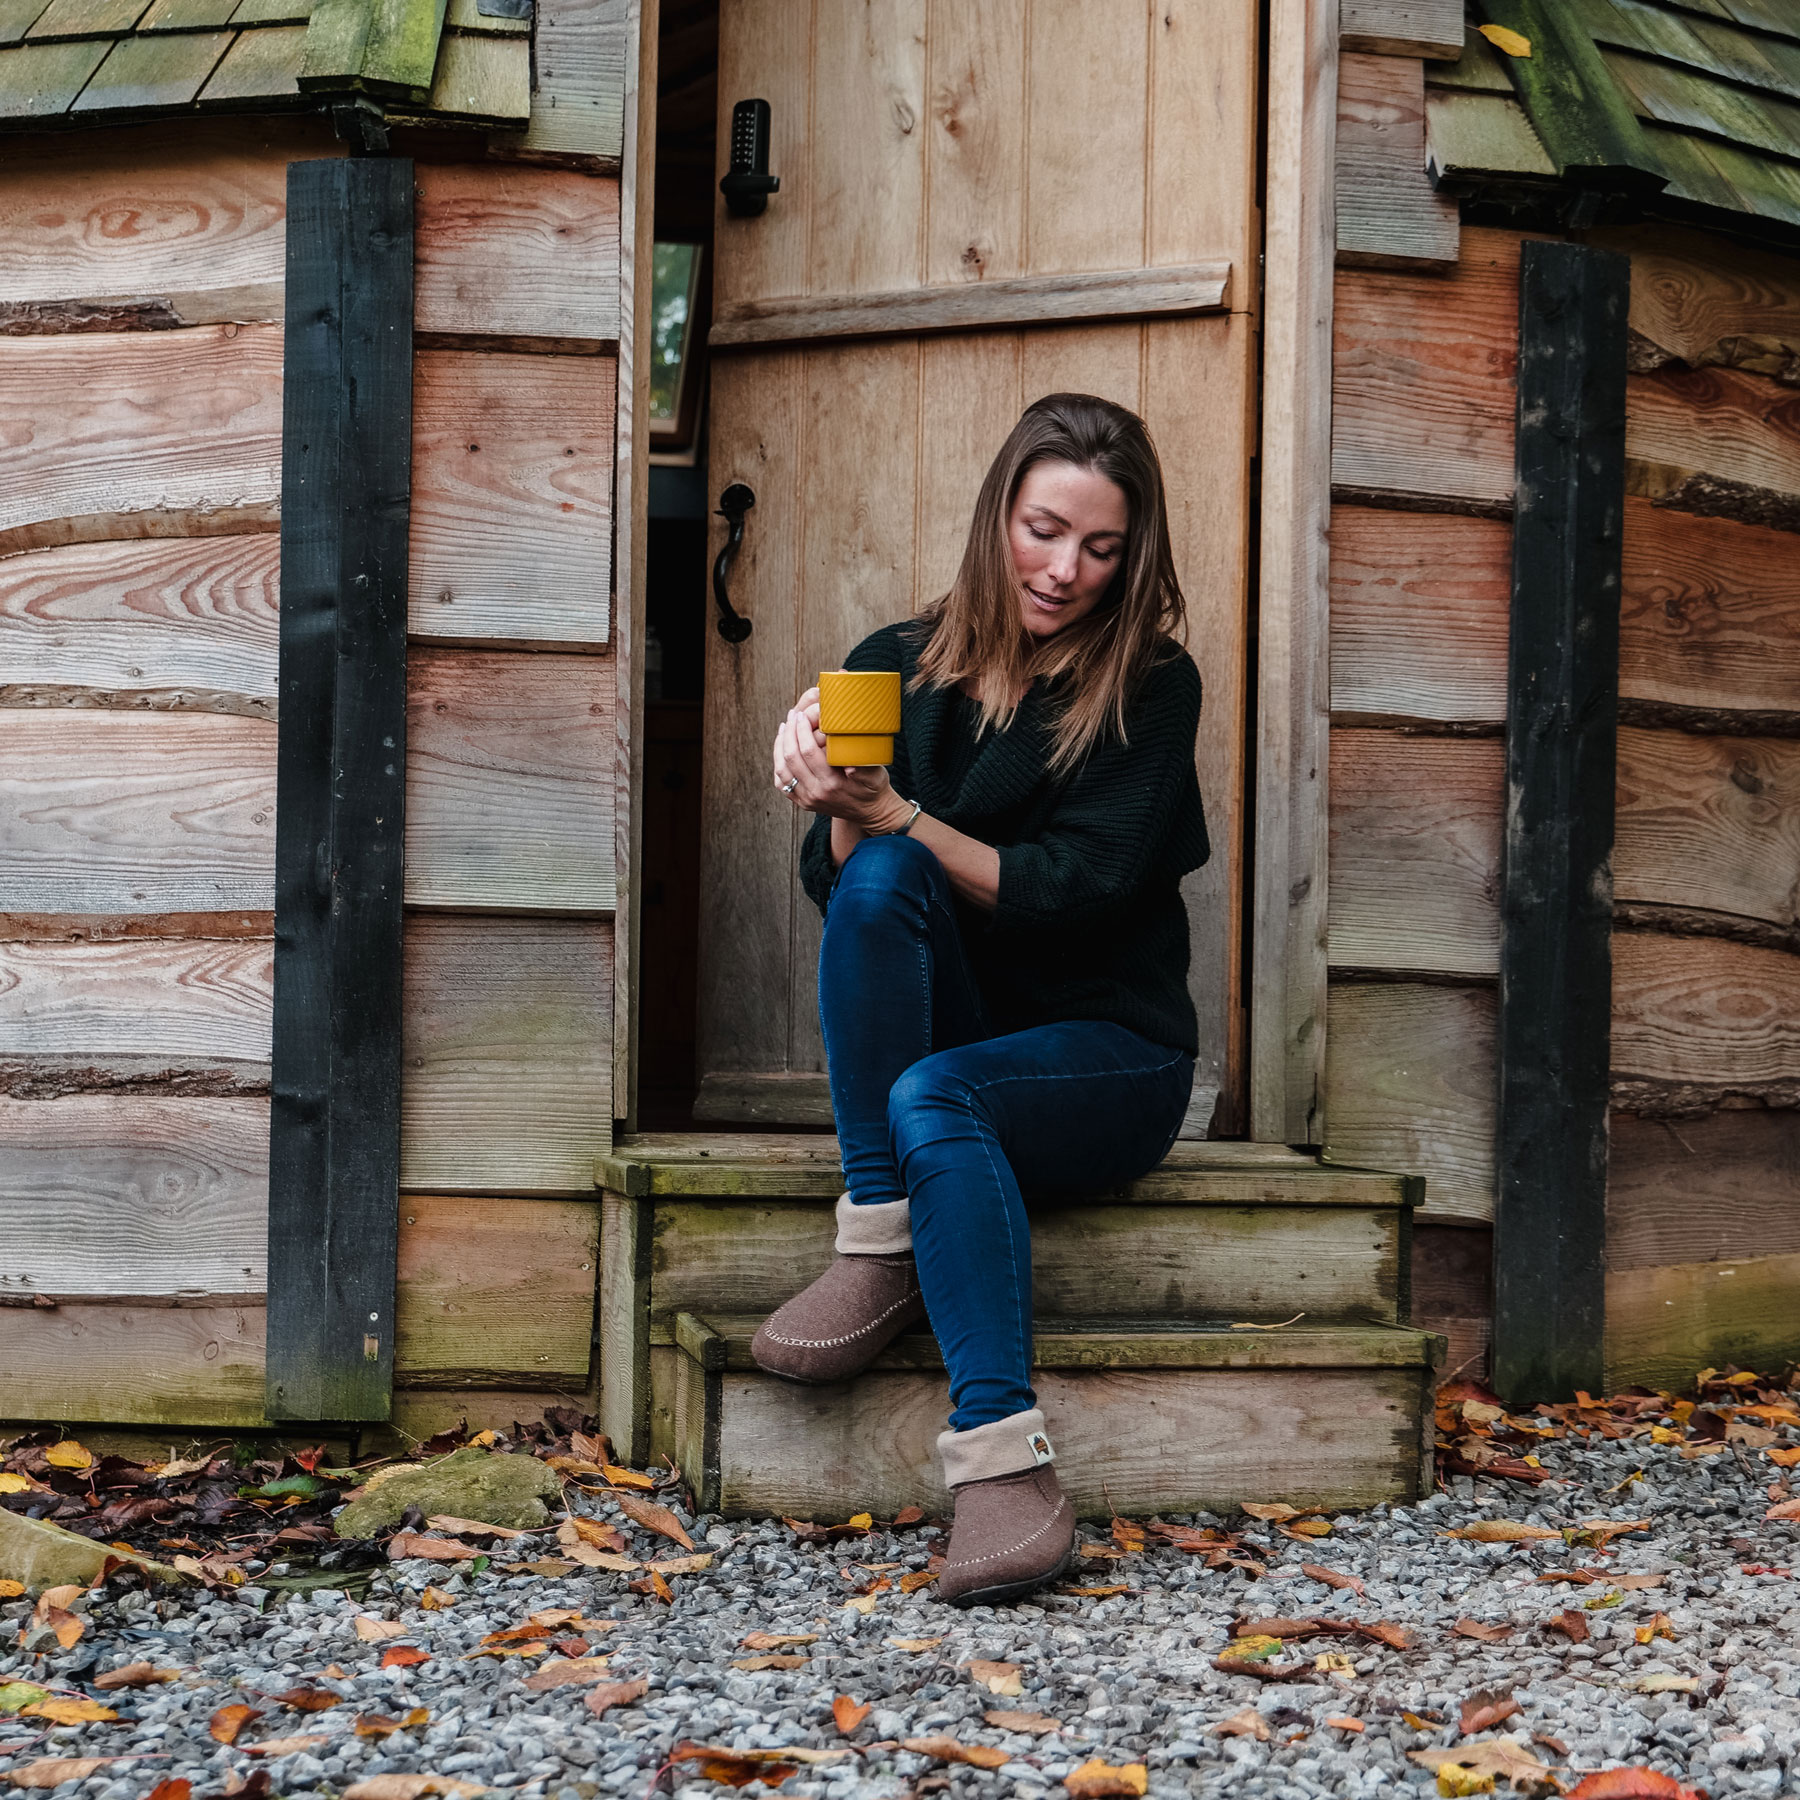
975 633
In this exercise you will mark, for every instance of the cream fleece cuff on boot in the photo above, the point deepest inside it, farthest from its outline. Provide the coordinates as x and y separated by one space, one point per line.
1002 1447
884 1229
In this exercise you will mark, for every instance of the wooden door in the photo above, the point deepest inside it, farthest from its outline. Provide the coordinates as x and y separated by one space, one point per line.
981 202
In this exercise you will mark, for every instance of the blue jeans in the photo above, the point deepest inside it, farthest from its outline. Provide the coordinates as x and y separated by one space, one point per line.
931 1105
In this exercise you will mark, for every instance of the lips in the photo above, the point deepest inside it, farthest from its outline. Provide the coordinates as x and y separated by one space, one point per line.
1049 600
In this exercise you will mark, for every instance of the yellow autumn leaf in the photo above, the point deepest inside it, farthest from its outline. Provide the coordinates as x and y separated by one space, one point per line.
14 1484
435 1599
10 1589
68 1455
1334 1662
865 1520
1503 39
1664 1434
70 1712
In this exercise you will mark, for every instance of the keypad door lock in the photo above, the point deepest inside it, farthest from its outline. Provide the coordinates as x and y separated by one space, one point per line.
747 184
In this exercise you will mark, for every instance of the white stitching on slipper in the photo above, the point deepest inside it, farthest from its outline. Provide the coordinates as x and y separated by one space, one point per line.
975 1562
795 1343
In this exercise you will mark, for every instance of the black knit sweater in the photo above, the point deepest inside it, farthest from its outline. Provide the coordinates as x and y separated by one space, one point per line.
1090 922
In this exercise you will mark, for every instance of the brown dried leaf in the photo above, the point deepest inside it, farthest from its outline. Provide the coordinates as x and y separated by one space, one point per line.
683 1565
980 1756
1342 1722
403 1656
53 1771
597 1532
174 1788
1096 1593
288 1745
379 1725
848 1714
600 1700
1484 1709
1787 1509
406 1544
228 1721
375 1631
914 1579
1095 1779
455 1527
1332 1577
1572 1625
755 1664
1000 1678
134 1675
1245 1722
909 1515
779 1640
1275 1512
1500 1531
410 1787
1487 1634
435 1599
914 1644
1036 1724
70 1712
654 1518
572 1671
1498 1758
1306 1528
309 1699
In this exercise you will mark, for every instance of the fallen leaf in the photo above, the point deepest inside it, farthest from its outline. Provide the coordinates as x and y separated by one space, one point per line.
228 1721
1272 1510
309 1699
1598 1533
1033 1723
1631 1784
53 1771
288 1745
68 1455
135 1675
865 1603
571 1671
1484 1710
848 1714
379 1725
11 1483
574 1531
778 1640
373 1630
1550 1743
1787 1509
1636 1581
914 1644
1572 1625
1306 1528
909 1515
16 1695
589 1558
403 1656
1338 1722
1785 1458
1332 1577
1660 1626
654 1518
1667 1684
1096 1593
1000 1678
626 1478
435 1599
406 1544
1487 1759
1601 1602
410 1787
1101 1552
1502 38
69 1712
1334 1662
980 1756
1258 1646
660 1588
1396 1637
914 1579
684 1565
736 1768
776 1660
174 1788
1487 1634
1245 1722
1095 1778
600 1700
1500 1531
1129 1536
449 1522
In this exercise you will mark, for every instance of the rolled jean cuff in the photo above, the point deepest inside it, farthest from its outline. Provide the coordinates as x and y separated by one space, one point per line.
1002 1447
883 1229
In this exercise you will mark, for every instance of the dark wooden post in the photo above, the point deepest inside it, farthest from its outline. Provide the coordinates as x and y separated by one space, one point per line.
1556 903
334 1150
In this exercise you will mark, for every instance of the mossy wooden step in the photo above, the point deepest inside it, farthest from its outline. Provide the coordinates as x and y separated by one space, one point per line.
736 1225
1145 1418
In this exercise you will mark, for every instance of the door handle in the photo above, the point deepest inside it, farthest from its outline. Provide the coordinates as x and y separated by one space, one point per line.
734 505
747 184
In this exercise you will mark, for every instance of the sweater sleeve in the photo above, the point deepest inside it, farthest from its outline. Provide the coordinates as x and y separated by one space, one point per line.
1131 810
818 873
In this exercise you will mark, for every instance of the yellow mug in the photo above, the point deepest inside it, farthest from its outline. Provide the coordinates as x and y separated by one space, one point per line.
859 713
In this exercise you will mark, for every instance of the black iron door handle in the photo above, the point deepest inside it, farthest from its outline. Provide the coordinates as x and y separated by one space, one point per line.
734 504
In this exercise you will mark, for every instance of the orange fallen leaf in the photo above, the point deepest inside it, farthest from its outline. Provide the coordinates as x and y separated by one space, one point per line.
1660 1626
10 1589
737 1768
174 1788
1785 1457
435 1599
753 1665
134 1675
849 1713
1096 1593
70 1712
228 1721
1276 1512
68 1455
1632 1784
1483 1710
626 1478
1340 1722
1572 1625
599 1700
1034 1723
909 1515
373 1631
660 1588
1500 1531
779 1640
1786 1509
1245 1722
1129 1536
288 1745
53 1771
597 1532
1095 1778
1486 1634
379 1725
1306 1528
1332 1577
309 1699
403 1656
980 1756
654 1518
573 1671
914 1579
405 1544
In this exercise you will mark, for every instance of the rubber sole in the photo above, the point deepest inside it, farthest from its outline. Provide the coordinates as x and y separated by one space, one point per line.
1002 1592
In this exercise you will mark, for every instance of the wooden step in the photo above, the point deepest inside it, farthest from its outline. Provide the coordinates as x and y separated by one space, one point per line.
1145 1417
737 1225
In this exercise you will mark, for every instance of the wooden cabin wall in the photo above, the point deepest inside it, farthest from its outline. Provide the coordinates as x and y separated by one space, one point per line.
1703 1231
140 472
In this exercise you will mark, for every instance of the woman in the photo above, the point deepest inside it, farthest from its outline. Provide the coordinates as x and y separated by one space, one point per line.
1003 978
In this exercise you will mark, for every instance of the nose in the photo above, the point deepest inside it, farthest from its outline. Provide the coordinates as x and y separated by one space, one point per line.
1064 562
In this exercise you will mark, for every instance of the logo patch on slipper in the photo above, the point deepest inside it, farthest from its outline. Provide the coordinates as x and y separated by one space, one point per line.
1040 1448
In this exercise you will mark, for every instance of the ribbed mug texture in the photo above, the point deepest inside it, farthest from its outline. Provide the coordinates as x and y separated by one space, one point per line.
859 712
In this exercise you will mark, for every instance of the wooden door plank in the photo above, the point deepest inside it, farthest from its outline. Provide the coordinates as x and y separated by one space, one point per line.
581 48
1696 1019
110 812
1107 360
494 1291
1664 1324
1388 214
1687 428
1409 1074
134 1194
508 1055
179 1365
1403 27
1415 852
509 782
135 433
195 617
1422 377
180 1001
1288 888
1709 822
975 160
1419 616
524 252
512 498
969 397
1710 615
1702 1189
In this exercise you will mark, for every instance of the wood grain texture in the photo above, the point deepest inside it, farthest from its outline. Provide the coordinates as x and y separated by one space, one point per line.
1415 852
1288 972
1706 1016
1402 27
113 1195
578 97
509 782
622 1338
508 250
1703 1189
126 617
175 1365
507 1055
184 1001
137 812
512 498
495 1290
1410 1081
1723 423
1419 606
420 1413
1710 612
1422 376
1388 213
1453 1292
1663 1325
1710 822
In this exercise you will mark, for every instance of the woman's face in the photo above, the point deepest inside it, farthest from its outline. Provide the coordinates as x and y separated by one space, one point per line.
1067 534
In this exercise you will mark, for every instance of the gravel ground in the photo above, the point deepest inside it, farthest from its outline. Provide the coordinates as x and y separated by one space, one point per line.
1130 1677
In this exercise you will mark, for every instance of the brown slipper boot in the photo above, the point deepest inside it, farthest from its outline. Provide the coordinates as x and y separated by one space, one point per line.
1014 1529
870 1294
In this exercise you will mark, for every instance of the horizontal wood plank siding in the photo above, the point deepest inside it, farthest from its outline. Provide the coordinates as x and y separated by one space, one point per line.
1726 424
1388 214
1665 1324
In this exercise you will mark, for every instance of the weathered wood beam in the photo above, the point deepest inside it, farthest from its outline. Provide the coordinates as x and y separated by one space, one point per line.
1556 885
334 1151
